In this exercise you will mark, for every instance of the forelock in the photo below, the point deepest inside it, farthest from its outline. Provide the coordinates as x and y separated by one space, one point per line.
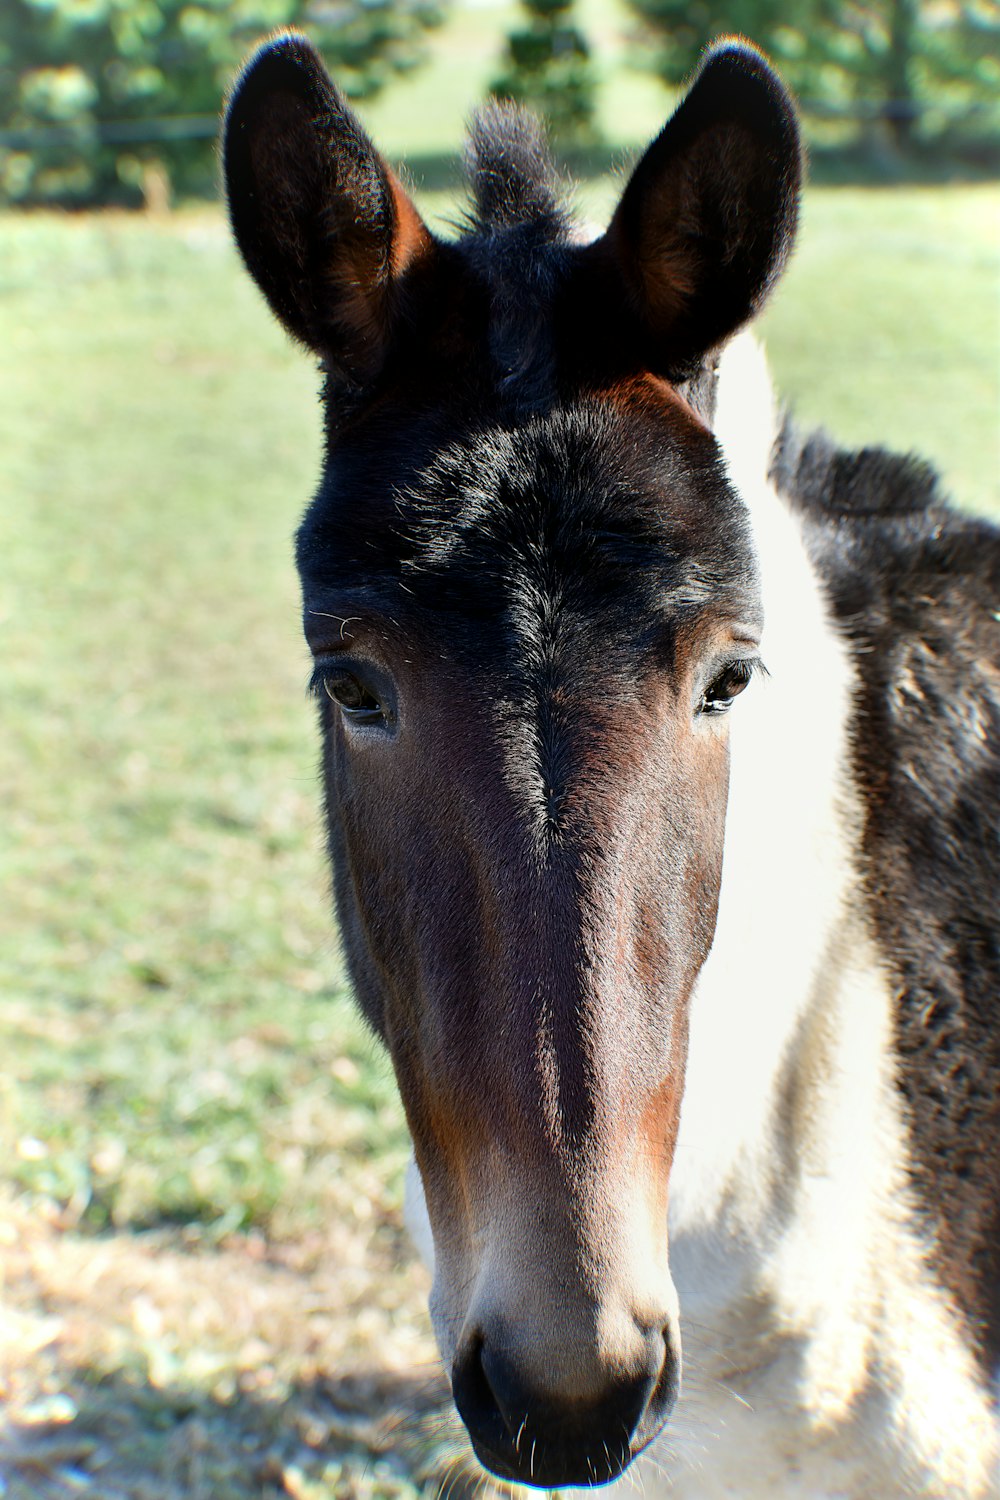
512 175
518 233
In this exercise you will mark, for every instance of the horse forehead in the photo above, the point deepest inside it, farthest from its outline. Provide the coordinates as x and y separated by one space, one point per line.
566 506
534 540
568 564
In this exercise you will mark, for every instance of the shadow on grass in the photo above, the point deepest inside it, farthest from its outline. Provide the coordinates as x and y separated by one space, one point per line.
367 1435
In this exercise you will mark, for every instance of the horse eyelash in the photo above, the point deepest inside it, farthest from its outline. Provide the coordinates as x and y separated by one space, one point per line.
318 678
752 666
746 667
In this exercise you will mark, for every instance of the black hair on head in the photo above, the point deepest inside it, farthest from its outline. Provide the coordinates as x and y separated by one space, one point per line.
513 177
518 233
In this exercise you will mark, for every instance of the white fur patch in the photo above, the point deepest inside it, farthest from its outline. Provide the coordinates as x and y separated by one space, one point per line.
786 870
821 1357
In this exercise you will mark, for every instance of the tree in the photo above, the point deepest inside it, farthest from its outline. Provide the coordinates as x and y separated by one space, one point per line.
547 64
96 94
910 66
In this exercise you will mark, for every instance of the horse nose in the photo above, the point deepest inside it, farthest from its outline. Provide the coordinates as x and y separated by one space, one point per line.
583 1428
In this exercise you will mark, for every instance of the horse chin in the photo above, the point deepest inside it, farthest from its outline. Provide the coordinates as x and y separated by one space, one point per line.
557 1473
566 1468
558 1448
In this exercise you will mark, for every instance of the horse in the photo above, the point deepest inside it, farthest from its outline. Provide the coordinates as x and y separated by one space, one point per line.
661 759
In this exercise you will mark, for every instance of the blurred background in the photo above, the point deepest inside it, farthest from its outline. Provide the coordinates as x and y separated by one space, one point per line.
205 1287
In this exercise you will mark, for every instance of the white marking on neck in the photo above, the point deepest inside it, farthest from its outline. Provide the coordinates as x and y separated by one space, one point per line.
786 868
795 1244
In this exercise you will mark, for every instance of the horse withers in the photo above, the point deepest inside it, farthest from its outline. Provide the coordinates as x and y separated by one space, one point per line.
643 954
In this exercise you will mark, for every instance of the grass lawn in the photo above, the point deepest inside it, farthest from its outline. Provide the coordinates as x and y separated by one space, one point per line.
201 1147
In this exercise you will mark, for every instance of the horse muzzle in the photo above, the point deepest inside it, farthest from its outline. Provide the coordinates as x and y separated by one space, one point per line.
582 1429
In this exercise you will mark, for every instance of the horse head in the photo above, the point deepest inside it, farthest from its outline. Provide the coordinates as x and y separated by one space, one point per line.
532 597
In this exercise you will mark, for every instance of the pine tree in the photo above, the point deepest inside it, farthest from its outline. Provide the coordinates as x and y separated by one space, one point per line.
908 67
547 64
96 93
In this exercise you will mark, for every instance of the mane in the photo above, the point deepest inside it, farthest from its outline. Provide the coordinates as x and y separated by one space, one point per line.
513 178
825 481
518 230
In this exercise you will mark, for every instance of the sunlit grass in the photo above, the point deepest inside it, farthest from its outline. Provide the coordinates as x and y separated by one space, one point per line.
173 992
174 1004
887 327
179 1050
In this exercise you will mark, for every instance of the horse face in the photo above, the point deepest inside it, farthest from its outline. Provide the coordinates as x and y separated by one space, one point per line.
531 597
526 793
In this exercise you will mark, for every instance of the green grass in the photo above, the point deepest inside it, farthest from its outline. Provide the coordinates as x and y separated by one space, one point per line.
181 1063
179 1050
887 326
174 1005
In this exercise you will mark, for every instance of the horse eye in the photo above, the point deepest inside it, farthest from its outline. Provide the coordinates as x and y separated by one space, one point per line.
354 697
727 686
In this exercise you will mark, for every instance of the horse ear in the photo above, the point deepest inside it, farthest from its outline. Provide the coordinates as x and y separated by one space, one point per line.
325 228
708 218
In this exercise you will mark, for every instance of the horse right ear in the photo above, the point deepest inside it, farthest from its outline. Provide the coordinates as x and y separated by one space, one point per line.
707 220
324 226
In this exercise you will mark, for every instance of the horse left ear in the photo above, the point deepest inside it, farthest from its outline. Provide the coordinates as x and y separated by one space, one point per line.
708 218
324 226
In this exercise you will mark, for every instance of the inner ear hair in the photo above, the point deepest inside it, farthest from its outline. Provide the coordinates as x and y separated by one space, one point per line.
708 218
323 224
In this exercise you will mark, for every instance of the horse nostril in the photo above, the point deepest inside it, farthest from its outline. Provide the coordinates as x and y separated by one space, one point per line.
487 1422
490 1399
511 1399
664 1386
